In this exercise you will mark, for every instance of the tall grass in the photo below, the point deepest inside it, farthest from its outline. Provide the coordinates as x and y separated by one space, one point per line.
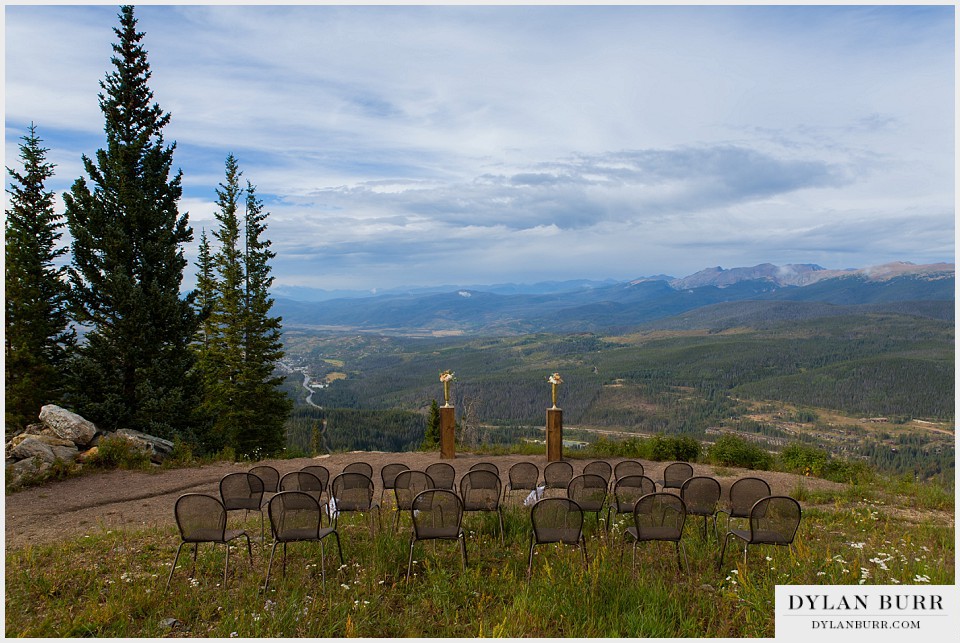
111 583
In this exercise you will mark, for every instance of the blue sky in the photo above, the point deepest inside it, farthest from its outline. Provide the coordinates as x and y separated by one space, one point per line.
431 145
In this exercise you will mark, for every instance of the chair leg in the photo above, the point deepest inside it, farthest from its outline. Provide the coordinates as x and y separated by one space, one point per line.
226 563
410 558
500 516
323 564
339 550
175 559
396 519
273 550
723 550
284 560
533 543
249 549
463 550
583 550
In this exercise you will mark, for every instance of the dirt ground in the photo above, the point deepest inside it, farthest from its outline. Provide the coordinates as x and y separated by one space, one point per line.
134 499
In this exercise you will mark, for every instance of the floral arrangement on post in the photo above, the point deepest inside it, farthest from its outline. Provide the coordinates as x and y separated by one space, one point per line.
446 377
555 381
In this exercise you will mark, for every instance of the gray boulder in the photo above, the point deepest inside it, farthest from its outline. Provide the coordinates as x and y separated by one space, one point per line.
31 447
17 471
158 448
68 425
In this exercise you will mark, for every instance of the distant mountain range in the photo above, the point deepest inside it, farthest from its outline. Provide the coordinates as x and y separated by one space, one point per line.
713 297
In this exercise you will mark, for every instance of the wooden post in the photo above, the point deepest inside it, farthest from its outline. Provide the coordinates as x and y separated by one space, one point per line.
554 435
447 423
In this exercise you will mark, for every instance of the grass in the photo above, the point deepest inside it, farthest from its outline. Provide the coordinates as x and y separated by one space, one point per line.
111 583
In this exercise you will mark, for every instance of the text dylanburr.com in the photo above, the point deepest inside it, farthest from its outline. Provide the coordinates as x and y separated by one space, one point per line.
859 612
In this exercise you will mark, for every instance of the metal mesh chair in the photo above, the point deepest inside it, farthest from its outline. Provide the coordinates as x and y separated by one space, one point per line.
242 491
658 517
557 475
599 468
444 476
295 516
303 481
486 466
323 475
627 491
556 520
268 475
353 492
701 495
743 493
359 467
773 521
406 487
590 492
388 474
480 491
627 468
437 515
675 474
202 519
523 476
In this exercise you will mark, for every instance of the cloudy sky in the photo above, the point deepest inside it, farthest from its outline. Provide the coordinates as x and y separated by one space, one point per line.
467 145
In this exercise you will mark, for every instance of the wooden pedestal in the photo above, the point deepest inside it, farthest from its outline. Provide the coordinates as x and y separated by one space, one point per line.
554 435
447 423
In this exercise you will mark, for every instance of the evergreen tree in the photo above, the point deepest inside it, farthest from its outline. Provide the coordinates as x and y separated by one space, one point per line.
128 261
37 323
241 340
431 437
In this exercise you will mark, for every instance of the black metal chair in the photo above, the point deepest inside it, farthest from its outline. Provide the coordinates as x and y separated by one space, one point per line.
486 466
523 476
743 493
658 517
626 492
556 520
437 514
701 495
269 476
243 491
627 468
773 521
388 476
295 516
353 492
675 474
444 476
203 519
407 485
480 491
323 475
590 492
600 468
359 467
304 481
557 475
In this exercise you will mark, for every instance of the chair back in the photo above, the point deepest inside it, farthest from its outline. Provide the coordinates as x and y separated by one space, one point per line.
480 490
294 515
774 520
444 476
701 495
322 473
388 473
302 481
557 520
599 468
437 513
200 518
659 516
524 475
629 489
352 491
557 475
485 466
744 493
359 467
241 490
268 475
408 484
627 468
675 474
589 491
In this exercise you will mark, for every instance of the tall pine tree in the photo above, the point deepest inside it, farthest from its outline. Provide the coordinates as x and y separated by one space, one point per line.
37 322
241 341
128 260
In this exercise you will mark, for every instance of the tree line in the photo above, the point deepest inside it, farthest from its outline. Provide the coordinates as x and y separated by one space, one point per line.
110 334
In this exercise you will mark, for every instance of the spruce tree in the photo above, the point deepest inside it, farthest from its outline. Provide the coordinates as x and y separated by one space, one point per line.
431 437
37 322
128 260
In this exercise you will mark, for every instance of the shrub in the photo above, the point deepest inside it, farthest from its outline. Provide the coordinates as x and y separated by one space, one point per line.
804 459
733 451
116 452
681 447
